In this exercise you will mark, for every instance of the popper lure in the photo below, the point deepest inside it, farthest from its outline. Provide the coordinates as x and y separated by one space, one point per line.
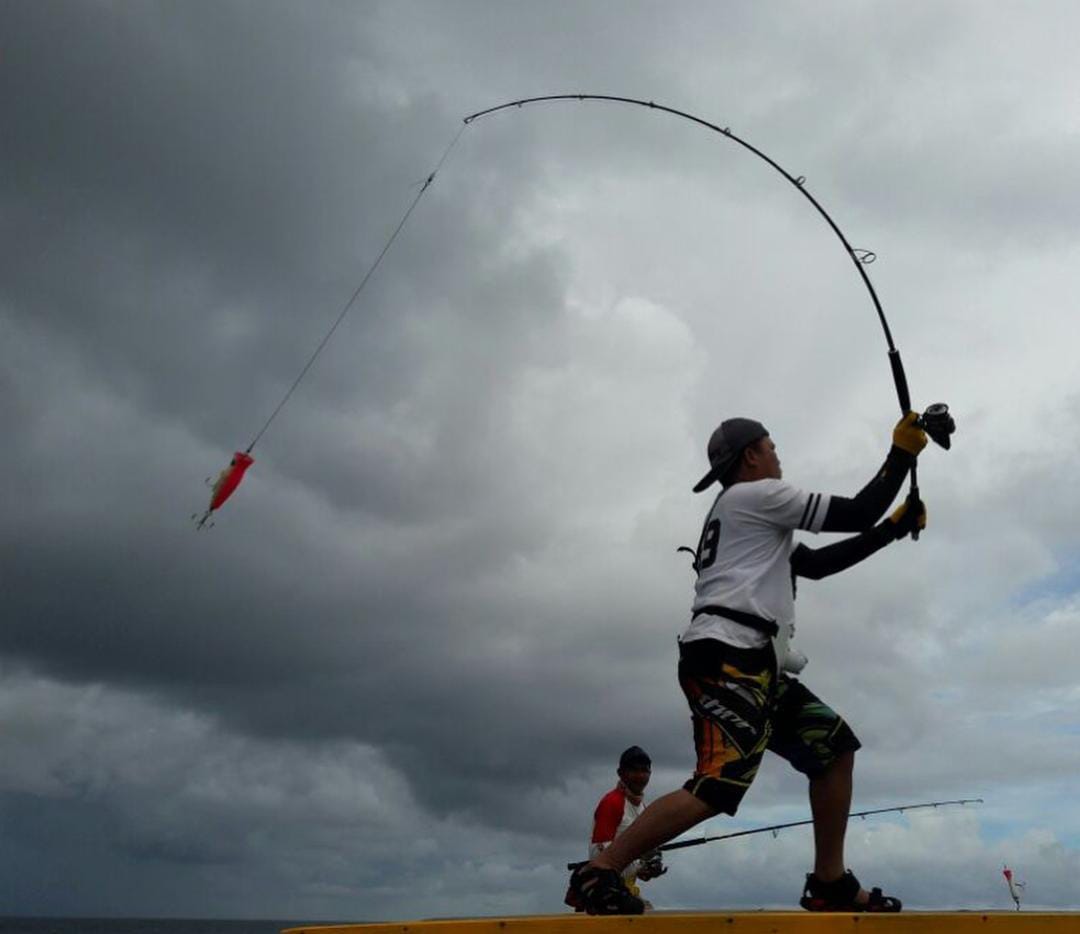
1015 887
225 484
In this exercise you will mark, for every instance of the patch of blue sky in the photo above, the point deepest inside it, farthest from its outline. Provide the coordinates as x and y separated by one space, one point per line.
999 828
1011 812
996 829
1069 729
1062 584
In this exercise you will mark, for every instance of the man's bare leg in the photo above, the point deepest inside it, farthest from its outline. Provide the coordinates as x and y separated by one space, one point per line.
830 802
666 817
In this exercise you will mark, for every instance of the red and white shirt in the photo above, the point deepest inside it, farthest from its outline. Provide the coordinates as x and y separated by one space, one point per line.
612 816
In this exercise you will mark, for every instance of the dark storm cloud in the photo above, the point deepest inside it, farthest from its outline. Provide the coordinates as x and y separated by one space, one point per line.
200 199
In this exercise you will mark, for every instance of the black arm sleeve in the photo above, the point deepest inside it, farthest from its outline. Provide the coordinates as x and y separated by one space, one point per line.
869 504
816 563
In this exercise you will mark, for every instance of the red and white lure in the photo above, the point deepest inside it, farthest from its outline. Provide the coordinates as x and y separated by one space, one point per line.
1015 887
225 485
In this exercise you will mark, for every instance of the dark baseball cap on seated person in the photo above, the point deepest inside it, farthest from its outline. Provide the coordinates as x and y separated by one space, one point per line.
634 758
726 445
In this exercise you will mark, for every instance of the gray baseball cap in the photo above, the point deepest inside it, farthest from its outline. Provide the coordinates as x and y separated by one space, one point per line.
725 446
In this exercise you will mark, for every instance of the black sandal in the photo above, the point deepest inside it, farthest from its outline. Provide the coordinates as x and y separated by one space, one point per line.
839 895
603 892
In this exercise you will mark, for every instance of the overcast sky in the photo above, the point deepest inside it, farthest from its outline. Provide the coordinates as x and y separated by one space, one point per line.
394 679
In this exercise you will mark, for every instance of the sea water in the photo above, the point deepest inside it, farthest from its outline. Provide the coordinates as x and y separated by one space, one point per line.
142 926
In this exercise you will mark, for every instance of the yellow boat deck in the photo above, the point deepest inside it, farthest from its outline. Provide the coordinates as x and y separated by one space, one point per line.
733 922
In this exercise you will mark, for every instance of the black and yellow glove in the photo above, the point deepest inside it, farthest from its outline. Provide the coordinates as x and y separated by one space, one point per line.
907 517
908 436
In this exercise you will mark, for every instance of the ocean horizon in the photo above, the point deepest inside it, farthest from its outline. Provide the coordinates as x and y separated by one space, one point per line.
15 924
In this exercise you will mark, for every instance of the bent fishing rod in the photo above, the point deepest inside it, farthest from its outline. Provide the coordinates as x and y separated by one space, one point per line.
775 829
936 420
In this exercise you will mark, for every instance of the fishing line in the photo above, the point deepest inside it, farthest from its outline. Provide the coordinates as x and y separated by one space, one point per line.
360 288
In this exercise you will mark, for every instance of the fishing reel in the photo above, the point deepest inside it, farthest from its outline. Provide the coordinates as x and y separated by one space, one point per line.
938 424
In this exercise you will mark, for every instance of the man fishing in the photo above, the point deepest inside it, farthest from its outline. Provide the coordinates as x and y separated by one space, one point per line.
617 810
735 668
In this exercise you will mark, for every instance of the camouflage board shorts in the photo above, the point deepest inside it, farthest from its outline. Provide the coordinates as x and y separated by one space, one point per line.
739 708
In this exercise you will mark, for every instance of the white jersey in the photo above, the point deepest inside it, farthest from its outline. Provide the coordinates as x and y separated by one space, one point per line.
744 560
